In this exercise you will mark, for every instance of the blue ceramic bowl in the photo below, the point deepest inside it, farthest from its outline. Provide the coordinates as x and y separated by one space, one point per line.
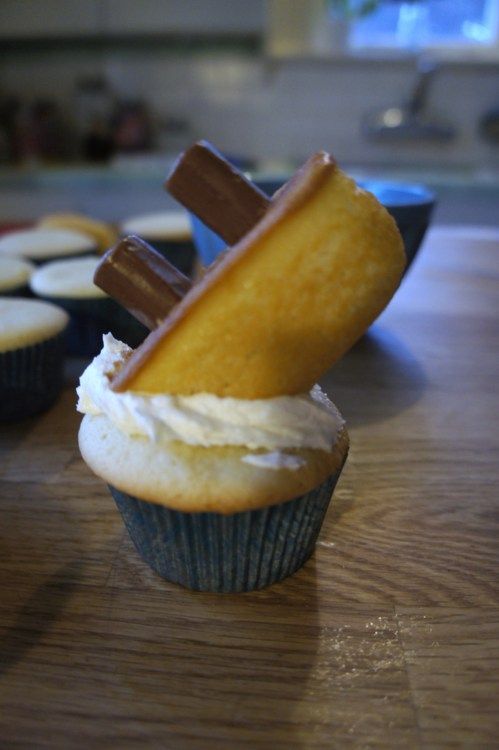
410 205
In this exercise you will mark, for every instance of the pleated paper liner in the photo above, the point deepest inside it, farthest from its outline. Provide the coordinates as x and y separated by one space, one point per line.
31 378
227 553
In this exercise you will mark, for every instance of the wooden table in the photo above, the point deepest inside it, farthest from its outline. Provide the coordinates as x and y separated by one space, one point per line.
387 638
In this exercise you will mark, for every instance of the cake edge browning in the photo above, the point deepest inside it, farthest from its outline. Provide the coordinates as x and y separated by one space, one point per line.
196 479
306 181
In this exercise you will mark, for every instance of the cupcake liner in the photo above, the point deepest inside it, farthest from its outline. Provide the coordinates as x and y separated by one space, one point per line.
227 553
90 318
41 260
18 291
31 378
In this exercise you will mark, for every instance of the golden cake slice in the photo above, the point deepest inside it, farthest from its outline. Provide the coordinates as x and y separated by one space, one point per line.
285 303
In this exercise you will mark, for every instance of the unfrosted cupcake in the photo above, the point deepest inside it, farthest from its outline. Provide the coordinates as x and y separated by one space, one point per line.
69 283
40 245
31 356
15 274
169 232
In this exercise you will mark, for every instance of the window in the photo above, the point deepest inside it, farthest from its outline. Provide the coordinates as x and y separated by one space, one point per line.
466 28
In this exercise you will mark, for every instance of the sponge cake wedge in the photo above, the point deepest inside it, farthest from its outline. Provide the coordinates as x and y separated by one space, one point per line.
285 303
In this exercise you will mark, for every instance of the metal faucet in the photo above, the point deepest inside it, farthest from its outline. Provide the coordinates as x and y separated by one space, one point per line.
409 121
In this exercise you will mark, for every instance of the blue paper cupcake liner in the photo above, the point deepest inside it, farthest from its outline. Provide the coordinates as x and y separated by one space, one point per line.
31 378
227 553
91 318
86 253
18 291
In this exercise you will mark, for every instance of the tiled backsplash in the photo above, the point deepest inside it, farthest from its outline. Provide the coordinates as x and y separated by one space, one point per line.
274 111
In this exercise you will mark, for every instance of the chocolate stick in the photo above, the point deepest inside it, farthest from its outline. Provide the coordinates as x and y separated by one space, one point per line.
142 280
221 196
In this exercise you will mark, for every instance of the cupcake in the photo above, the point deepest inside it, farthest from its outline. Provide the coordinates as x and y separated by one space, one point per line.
43 244
31 356
15 274
220 450
169 232
213 516
69 284
101 233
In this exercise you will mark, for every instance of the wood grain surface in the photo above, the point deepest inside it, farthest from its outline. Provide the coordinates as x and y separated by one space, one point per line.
388 637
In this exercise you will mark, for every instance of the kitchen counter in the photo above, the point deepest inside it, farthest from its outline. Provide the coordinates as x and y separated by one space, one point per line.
388 637
135 186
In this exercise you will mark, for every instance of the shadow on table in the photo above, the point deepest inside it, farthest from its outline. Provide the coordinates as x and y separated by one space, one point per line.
378 378
234 668
12 435
37 615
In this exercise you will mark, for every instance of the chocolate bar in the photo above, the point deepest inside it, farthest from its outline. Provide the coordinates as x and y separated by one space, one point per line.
218 193
141 280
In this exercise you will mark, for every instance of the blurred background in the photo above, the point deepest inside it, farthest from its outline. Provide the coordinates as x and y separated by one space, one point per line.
97 97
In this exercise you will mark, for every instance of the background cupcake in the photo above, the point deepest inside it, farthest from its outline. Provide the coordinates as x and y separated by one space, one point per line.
40 245
69 284
102 234
15 274
169 232
31 356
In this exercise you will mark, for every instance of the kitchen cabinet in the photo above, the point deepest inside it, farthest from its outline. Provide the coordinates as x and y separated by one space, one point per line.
172 16
86 18
51 18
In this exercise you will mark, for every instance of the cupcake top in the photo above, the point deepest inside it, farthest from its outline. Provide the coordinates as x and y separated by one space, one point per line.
70 278
104 235
14 273
24 322
166 225
38 244
204 453
193 478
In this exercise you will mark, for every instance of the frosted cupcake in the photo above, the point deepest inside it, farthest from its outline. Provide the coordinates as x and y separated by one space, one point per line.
102 234
219 449
40 245
15 274
169 232
217 494
31 356
69 283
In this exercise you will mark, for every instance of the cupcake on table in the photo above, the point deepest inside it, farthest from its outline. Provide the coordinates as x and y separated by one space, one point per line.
31 356
102 233
42 244
220 449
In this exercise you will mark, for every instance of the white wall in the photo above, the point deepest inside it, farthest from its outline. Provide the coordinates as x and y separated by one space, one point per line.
272 110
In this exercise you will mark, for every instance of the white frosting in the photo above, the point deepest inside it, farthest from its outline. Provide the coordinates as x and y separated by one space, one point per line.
24 322
303 421
274 460
43 242
72 277
160 226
